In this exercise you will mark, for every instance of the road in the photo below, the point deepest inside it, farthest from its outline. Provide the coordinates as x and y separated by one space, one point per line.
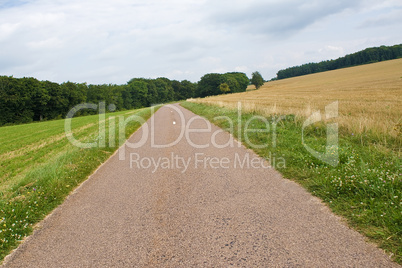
187 206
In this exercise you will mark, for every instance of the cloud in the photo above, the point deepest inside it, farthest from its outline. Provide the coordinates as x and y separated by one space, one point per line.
11 3
392 17
7 29
275 18
99 41
338 51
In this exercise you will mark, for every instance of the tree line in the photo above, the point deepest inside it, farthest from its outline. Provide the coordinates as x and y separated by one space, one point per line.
24 100
369 55
215 84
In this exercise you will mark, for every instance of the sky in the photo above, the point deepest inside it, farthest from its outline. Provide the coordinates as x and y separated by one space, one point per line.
103 41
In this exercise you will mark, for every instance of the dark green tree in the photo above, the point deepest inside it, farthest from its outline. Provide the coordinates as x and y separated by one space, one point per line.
176 85
257 80
139 93
56 103
153 95
209 85
187 89
238 82
165 89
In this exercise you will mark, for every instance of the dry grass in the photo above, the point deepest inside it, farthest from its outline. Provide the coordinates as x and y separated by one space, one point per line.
370 97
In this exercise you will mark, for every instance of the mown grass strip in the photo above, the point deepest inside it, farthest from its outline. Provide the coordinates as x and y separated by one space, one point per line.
365 188
36 181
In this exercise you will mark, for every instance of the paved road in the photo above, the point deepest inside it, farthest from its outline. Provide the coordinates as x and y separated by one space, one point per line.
131 214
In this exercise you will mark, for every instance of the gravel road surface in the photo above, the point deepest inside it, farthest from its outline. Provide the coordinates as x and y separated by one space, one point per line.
186 206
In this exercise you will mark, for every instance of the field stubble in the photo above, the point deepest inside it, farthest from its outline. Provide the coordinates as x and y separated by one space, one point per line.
370 98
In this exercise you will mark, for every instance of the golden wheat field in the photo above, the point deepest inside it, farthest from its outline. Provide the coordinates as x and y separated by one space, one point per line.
369 96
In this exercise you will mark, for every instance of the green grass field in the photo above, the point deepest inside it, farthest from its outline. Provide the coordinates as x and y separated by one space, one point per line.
365 188
39 167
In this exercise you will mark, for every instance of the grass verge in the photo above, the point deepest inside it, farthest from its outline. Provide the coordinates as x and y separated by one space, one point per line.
365 188
39 168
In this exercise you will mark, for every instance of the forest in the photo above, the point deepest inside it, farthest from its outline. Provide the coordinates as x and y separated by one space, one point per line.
24 100
369 55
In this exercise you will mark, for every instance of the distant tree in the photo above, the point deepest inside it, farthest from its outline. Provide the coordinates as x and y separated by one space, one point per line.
232 83
209 85
153 95
138 92
369 55
236 81
40 98
257 80
224 88
35 101
117 97
165 90
56 104
187 89
243 81
74 94
12 101
176 85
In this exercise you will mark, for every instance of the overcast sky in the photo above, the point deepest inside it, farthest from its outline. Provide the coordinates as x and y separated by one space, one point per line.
104 41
